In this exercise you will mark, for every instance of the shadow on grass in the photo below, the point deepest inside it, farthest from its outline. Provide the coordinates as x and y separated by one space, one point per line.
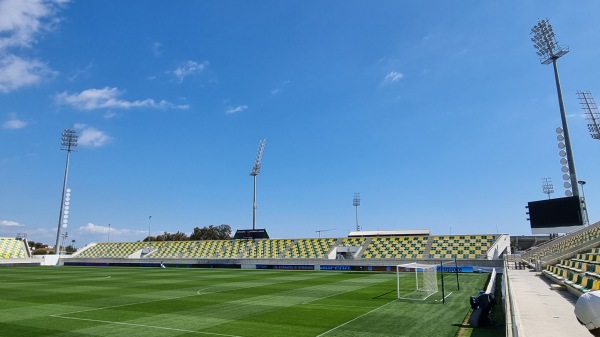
384 294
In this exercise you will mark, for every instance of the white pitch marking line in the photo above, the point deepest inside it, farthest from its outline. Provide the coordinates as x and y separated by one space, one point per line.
121 305
342 292
334 305
198 293
355 318
145 326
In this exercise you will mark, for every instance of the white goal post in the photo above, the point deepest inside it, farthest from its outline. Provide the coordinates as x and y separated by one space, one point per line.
416 281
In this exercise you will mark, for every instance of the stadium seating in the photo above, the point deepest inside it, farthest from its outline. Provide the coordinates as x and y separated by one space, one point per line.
587 235
460 246
113 250
352 242
268 249
310 248
581 273
11 248
406 247
172 249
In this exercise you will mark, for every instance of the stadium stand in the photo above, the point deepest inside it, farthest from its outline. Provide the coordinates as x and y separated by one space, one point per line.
560 247
460 246
113 250
172 249
268 249
310 248
352 242
11 248
406 247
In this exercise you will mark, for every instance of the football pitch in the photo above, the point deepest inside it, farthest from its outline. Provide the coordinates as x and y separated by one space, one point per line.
123 301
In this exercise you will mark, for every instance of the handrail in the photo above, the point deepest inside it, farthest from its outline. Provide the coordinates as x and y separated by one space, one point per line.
553 243
512 325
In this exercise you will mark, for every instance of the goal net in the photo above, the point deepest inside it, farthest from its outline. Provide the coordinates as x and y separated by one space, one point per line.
416 281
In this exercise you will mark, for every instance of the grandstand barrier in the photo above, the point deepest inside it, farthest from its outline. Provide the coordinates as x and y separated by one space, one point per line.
470 266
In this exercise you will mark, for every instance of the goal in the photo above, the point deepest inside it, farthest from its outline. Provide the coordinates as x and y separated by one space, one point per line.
416 281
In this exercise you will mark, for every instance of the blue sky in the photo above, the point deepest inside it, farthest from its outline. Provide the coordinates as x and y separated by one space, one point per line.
439 113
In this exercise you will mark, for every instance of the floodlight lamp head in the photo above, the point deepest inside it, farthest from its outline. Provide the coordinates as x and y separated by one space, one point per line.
591 113
68 140
258 162
356 200
544 41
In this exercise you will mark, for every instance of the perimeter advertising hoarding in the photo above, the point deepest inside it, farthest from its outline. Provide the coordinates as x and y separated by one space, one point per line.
559 215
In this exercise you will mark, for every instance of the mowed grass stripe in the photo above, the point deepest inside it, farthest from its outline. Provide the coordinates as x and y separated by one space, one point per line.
243 303
179 295
227 307
307 319
126 288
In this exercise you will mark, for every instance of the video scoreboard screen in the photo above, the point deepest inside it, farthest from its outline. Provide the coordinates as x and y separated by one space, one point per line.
559 215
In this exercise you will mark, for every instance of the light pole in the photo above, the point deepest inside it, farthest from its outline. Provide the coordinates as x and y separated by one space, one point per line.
108 233
547 186
64 236
356 203
149 222
591 112
254 173
68 143
583 203
549 51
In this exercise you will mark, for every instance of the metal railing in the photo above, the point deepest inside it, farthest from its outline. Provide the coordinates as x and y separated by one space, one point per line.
512 323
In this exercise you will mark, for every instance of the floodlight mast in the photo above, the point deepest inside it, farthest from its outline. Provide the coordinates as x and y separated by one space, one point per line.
356 203
254 173
68 143
549 51
591 112
547 186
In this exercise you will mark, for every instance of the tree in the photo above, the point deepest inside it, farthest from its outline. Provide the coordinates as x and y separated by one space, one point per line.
179 236
212 232
37 245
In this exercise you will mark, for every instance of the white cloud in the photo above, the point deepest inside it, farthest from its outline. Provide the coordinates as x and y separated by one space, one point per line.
21 23
9 223
16 72
94 229
14 123
91 228
278 90
393 76
236 109
107 97
157 48
109 114
189 68
90 136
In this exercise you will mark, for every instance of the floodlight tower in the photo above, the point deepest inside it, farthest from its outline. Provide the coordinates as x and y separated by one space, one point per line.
591 113
254 173
549 51
547 186
68 143
356 203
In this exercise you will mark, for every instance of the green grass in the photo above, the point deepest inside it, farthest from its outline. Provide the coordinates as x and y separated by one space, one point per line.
120 301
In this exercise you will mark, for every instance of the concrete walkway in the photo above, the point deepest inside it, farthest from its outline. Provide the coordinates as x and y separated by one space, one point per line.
541 311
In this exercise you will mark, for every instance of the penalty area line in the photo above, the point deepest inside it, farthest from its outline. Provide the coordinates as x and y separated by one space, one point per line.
355 318
144 326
